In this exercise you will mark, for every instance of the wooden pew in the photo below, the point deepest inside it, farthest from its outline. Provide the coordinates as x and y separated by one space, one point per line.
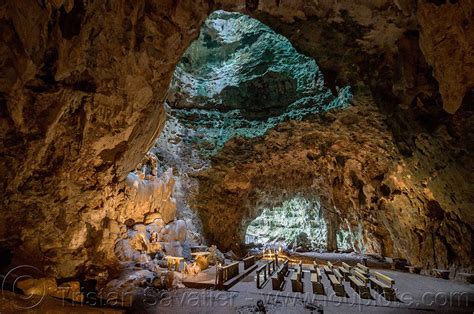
299 270
260 270
362 269
359 284
345 272
336 286
361 276
278 279
338 274
346 266
318 271
413 269
249 261
296 283
285 268
318 287
441 273
328 268
276 282
383 285
398 263
467 277
271 267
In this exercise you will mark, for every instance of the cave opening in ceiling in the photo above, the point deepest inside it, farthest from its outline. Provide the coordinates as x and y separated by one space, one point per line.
298 224
240 79
237 81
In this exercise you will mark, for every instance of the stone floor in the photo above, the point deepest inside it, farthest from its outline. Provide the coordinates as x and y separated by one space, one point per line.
15 303
207 279
416 293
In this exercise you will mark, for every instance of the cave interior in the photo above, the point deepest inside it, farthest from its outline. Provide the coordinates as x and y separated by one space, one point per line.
154 145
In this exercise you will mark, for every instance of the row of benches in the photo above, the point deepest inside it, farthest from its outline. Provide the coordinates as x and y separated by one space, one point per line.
266 269
228 272
278 279
359 278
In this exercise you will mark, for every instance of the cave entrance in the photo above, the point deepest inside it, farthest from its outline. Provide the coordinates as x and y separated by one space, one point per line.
298 224
239 79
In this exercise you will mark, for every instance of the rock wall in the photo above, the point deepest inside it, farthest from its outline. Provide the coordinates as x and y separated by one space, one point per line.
406 207
81 90
447 42
82 85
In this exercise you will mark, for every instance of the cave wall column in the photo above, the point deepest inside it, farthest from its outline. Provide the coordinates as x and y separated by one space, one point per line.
332 224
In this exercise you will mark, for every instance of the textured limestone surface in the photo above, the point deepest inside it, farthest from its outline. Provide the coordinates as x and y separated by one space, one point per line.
82 85
240 78
387 177
448 45
297 224
239 63
394 205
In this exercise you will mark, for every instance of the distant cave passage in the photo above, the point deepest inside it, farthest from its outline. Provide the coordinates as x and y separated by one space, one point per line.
298 224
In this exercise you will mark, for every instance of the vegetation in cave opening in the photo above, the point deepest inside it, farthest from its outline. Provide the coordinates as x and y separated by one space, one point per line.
240 79
297 223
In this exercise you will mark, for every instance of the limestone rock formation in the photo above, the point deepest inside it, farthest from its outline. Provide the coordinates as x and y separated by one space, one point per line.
375 169
297 223
81 91
395 205
154 240
123 290
82 86
147 197
447 41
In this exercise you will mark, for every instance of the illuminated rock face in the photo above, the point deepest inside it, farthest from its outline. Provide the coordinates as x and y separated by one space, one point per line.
391 203
298 224
239 63
81 93
373 181
81 90
240 78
